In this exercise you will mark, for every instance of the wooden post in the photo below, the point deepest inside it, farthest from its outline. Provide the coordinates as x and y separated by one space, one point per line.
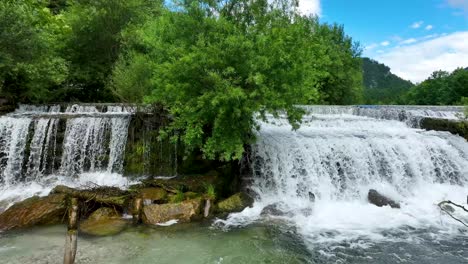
71 242
137 207
207 208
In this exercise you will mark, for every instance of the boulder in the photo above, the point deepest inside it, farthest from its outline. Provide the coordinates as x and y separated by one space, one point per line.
273 209
103 222
160 213
447 208
380 200
34 211
235 203
153 195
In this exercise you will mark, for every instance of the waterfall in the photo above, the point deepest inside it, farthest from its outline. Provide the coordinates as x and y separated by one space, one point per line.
63 142
411 115
338 154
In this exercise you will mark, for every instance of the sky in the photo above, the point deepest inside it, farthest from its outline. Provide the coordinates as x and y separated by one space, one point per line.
413 37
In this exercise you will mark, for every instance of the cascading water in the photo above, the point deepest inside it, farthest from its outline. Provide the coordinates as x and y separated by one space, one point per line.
338 156
35 154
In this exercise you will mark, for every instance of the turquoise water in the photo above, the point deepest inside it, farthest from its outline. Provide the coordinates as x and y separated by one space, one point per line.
201 243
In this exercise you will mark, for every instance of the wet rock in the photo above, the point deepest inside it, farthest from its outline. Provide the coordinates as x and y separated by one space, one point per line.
235 203
448 208
160 213
34 211
380 200
274 209
153 195
191 195
103 222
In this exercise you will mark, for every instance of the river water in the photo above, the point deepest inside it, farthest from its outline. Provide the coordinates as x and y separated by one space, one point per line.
338 154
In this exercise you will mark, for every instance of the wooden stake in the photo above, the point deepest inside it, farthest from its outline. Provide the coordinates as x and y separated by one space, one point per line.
137 207
207 208
71 242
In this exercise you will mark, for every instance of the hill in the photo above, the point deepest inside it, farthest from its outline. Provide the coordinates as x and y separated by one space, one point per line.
380 85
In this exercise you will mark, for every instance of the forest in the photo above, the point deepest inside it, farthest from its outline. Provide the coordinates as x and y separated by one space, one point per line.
209 64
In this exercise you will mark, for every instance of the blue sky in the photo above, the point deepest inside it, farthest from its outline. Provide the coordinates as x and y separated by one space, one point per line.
413 37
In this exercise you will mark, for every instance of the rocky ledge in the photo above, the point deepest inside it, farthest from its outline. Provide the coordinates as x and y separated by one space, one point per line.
108 210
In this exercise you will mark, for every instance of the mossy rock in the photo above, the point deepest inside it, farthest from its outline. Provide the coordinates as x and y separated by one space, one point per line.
457 127
185 211
154 194
191 195
235 203
103 222
34 211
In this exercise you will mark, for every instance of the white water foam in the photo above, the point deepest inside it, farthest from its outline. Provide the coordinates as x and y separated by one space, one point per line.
43 186
339 157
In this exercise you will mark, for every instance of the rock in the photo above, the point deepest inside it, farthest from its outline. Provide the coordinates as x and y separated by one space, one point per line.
380 200
235 203
103 222
191 195
34 211
448 208
153 195
273 209
160 213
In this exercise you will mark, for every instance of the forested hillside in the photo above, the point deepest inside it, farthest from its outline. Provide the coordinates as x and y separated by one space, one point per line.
441 88
381 86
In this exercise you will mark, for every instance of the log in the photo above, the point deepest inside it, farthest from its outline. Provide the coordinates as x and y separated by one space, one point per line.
71 241
91 195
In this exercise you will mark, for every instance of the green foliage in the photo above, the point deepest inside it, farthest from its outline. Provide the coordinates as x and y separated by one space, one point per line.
210 192
214 70
30 65
177 198
94 42
381 86
215 66
441 88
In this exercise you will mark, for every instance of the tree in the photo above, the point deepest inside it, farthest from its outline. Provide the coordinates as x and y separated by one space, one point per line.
441 88
94 42
215 67
30 37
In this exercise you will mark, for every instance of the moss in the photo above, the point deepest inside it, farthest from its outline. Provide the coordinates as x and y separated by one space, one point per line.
235 203
104 221
103 227
455 127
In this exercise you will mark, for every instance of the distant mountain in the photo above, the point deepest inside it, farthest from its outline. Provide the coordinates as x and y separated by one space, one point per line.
380 85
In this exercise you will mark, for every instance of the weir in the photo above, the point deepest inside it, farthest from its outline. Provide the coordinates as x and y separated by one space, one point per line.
337 149
37 141
339 154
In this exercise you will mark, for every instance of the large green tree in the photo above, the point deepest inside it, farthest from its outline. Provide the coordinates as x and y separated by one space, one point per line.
95 41
31 67
214 66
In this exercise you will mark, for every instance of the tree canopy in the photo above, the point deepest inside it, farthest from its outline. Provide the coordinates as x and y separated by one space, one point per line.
214 66
441 88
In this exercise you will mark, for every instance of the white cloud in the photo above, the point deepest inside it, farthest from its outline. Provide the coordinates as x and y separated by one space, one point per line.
416 62
461 4
431 36
385 43
310 7
429 27
371 46
417 24
408 41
